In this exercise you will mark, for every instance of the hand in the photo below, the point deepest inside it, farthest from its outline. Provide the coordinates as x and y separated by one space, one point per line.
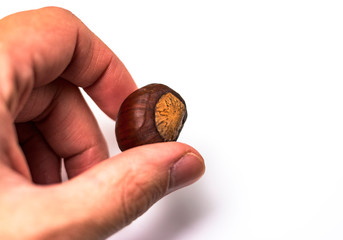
45 55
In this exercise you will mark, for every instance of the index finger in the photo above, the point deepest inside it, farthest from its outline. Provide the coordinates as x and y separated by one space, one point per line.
52 42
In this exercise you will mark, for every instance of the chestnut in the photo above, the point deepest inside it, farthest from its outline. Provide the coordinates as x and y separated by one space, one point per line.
151 114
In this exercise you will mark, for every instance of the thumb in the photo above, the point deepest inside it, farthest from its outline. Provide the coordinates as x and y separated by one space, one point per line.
118 190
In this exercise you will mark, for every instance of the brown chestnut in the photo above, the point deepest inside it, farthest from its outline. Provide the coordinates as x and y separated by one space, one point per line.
151 114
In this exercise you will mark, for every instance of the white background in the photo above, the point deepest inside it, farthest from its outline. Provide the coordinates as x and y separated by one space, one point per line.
263 85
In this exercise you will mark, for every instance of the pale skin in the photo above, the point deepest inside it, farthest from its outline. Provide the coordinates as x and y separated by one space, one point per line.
45 55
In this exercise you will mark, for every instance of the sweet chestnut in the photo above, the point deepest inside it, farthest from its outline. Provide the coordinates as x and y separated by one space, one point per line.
154 113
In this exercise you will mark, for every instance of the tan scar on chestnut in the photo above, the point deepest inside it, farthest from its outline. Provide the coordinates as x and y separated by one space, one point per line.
154 113
169 113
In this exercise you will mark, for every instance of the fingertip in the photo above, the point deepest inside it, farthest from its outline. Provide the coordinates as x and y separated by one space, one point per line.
185 171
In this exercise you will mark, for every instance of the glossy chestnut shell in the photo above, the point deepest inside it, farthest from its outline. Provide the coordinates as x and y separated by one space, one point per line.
154 113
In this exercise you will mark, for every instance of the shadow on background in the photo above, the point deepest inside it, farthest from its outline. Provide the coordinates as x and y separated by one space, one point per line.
180 212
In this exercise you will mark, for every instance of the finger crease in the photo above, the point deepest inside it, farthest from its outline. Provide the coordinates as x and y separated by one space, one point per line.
50 107
102 73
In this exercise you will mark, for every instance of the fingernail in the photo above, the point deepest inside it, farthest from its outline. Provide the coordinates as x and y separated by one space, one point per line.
185 171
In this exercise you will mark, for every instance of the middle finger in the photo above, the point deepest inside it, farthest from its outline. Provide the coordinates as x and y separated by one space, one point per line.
64 119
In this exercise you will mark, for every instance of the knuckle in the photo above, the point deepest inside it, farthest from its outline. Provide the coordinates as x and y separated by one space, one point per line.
57 10
58 17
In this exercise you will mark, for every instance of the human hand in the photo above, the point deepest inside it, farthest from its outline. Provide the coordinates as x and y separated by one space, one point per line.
45 55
